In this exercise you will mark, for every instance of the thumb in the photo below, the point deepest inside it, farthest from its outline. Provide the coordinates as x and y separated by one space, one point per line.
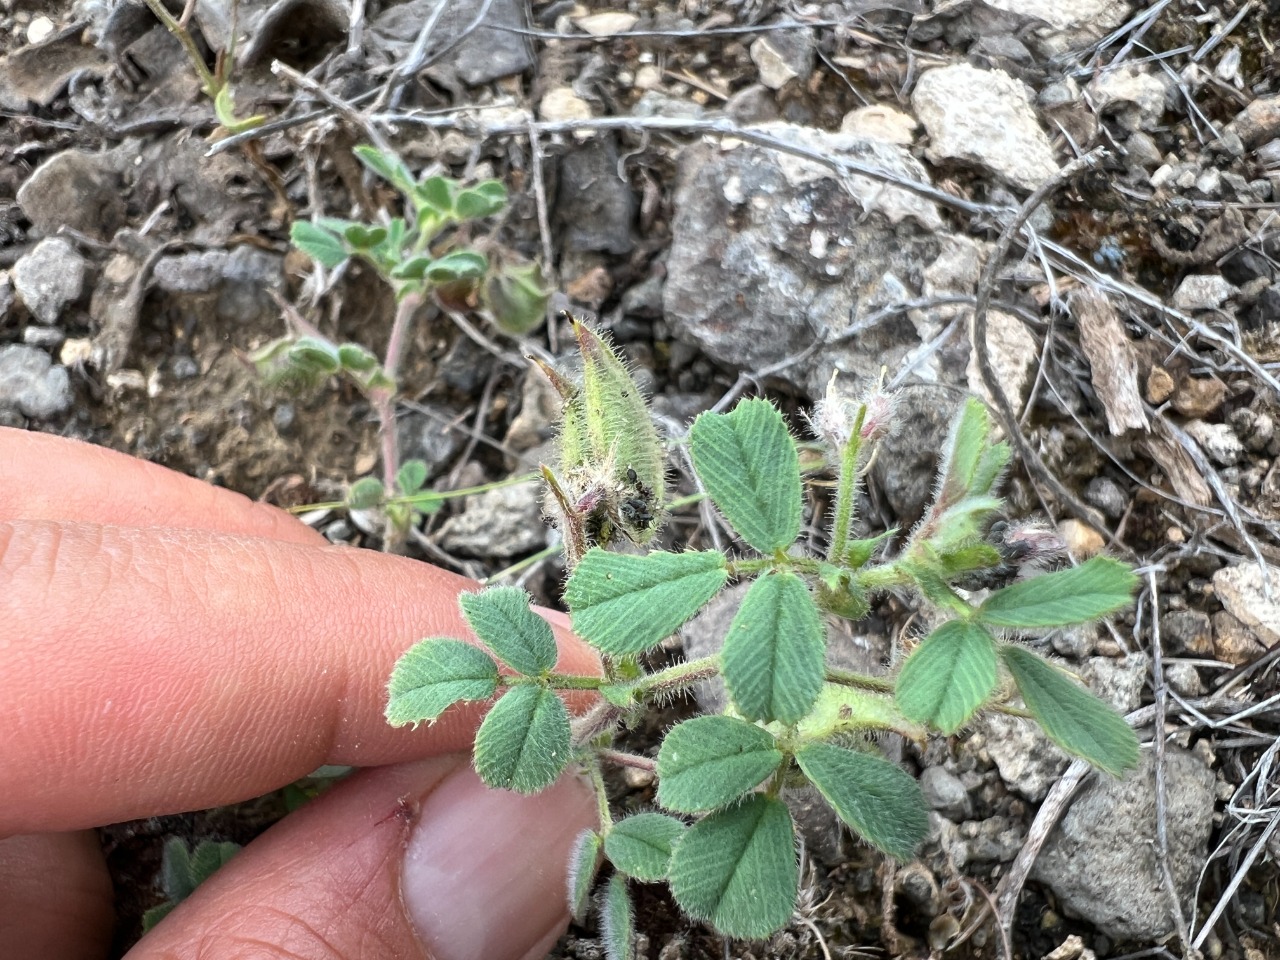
415 861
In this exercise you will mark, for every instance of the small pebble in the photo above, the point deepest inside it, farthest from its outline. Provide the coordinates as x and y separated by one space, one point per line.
184 368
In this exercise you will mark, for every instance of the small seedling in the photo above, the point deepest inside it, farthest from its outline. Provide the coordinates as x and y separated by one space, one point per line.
420 255
726 843
182 870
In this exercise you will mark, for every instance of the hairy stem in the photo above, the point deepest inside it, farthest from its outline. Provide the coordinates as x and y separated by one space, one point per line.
679 676
602 795
384 400
846 491
860 680
623 759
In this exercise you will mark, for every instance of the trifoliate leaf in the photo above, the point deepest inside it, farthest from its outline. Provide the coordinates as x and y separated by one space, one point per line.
1094 589
748 462
322 246
484 199
640 845
624 604
523 743
873 796
736 869
773 654
1074 719
617 921
948 676
583 862
502 620
433 675
708 762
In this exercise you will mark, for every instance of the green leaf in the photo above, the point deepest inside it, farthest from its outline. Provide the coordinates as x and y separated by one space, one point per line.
736 869
435 193
948 676
484 199
433 675
362 236
365 494
773 654
963 460
415 268
1074 718
388 166
708 762
583 863
929 580
844 709
617 921
623 604
356 358
411 476
209 857
502 620
1094 589
523 744
975 555
860 552
459 265
881 802
748 462
322 246
640 846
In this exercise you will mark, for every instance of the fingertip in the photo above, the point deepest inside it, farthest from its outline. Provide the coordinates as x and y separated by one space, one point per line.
55 896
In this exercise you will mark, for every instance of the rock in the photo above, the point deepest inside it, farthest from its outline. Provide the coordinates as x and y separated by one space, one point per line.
782 56
1107 495
501 524
1081 539
428 439
1137 97
1202 291
1100 862
1071 23
1028 761
1257 123
196 271
594 205
49 278
994 840
561 103
39 29
906 466
1075 642
985 117
944 792
483 56
247 278
1014 354
606 24
48 338
1186 633
1233 641
1143 150
881 122
1118 681
1199 397
1183 679
31 384
75 189
704 636
769 251
1218 440
753 104
1240 589
822 831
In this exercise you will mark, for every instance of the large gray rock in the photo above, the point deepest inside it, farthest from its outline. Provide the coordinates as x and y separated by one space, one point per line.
49 278
770 252
987 118
1068 23
1101 863
484 55
31 384
76 189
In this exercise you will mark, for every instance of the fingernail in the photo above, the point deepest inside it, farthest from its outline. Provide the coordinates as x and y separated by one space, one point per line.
484 870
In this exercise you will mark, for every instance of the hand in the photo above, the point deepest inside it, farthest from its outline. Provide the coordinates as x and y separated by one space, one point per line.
169 646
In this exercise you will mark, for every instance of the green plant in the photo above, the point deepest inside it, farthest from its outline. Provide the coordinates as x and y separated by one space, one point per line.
420 255
183 869
791 719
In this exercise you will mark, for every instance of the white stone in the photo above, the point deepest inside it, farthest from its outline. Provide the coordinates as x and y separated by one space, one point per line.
48 278
1014 355
1142 96
1202 291
1218 440
562 103
985 117
39 30
775 72
881 122
607 24
1240 588
1072 23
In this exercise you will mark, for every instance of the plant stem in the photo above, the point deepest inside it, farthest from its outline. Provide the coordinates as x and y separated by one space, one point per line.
210 83
383 399
623 759
846 490
679 676
861 680
602 795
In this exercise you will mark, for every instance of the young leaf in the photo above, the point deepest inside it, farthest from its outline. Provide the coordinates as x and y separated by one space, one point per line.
433 675
502 620
523 744
484 199
640 846
736 869
411 476
583 863
1074 719
317 243
459 265
948 676
436 194
365 494
362 236
773 654
316 353
748 462
881 802
963 467
617 922
1094 589
708 762
845 709
356 358
386 165
624 604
